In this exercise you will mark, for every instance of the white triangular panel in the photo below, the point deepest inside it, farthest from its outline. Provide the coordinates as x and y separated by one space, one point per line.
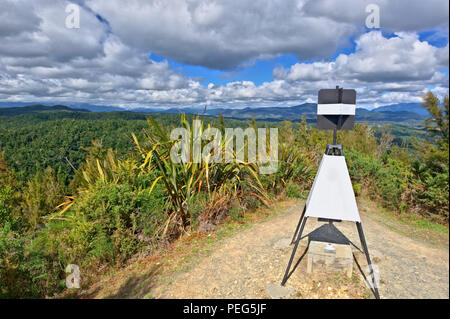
332 195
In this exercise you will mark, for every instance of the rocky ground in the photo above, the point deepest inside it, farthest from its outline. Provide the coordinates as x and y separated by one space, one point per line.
244 265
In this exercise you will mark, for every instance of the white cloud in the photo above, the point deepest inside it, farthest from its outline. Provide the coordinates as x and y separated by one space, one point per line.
403 65
51 62
16 18
395 16
225 34
107 61
222 34
376 58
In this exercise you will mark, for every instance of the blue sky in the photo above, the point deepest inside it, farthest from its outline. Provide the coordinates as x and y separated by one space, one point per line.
258 71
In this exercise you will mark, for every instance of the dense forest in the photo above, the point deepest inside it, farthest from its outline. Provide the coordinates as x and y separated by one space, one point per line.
58 137
95 189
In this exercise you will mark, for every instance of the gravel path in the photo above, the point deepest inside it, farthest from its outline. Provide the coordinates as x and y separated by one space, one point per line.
242 265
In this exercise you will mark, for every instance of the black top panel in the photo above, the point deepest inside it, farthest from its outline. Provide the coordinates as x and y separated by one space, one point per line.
338 122
332 96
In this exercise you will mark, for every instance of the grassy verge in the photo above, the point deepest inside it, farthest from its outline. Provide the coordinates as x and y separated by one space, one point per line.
410 225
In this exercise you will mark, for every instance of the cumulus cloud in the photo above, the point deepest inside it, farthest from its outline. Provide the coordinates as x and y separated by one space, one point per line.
15 21
222 34
400 63
395 16
376 58
106 61
48 61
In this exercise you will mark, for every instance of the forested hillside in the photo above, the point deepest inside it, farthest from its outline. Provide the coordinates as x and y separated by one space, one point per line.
36 137
96 189
60 138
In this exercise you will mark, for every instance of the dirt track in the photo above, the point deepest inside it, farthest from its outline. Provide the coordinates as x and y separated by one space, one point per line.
242 265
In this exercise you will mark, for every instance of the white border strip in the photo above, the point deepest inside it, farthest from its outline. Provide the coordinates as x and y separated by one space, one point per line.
336 109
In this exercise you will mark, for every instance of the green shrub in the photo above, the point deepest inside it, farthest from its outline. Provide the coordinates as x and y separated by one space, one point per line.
435 197
357 188
104 227
392 183
12 271
40 196
362 168
196 205
293 190
105 224
236 213
6 198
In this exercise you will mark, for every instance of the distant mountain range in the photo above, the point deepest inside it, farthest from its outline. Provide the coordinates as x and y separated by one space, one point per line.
35 108
391 113
404 107
295 113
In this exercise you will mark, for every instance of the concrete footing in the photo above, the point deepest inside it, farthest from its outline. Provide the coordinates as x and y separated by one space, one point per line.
276 291
319 259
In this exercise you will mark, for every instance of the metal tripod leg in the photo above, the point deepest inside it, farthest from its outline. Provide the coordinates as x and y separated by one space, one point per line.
298 225
286 274
366 252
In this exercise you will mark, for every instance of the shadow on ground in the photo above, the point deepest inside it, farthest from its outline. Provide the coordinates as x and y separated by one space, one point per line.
137 285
